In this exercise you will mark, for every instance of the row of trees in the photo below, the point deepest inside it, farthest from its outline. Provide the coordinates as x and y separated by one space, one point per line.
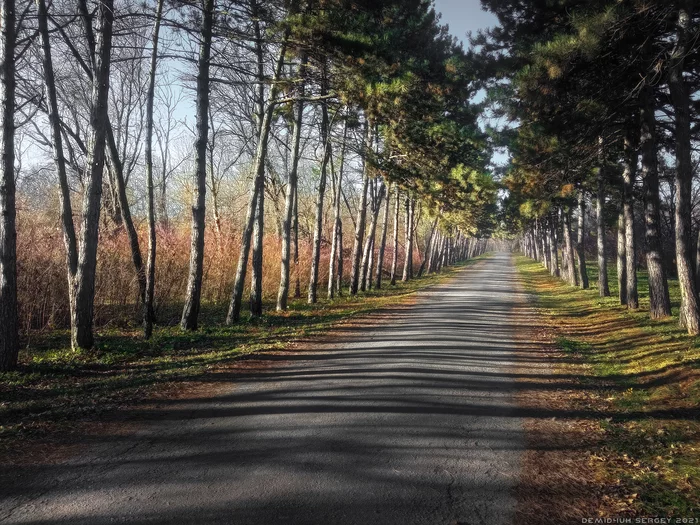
604 98
367 101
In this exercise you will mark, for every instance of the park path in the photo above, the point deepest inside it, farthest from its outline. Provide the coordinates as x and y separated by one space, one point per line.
408 421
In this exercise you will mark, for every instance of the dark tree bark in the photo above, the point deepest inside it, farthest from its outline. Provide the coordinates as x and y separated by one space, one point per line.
580 244
190 312
660 303
361 214
83 313
603 286
9 321
148 311
395 247
629 176
683 180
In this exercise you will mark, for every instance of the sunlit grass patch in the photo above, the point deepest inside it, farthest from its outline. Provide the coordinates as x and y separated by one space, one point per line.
647 377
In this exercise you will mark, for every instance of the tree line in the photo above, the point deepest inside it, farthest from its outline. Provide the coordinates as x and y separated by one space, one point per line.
603 100
359 111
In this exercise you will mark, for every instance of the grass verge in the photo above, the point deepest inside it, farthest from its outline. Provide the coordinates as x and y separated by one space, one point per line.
55 386
640 412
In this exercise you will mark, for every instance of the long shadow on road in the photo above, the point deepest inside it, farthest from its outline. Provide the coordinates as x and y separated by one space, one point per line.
411 420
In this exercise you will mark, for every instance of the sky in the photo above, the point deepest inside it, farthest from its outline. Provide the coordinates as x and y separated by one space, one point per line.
463 16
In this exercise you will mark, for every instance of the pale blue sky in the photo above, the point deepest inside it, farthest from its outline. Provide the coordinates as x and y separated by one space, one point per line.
463 16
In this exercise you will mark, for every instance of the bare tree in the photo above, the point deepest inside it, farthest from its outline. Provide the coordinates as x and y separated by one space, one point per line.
148 312
361 212
83 313
9 322
190 312
292 181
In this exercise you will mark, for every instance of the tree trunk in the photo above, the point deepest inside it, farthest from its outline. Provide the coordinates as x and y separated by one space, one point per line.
569 250
441 252
66 209
367 249
580 244
433 252
680 97
368 252
117 169
320 195
621 257
190 312
283 293
660 303
603 286
337 245
629 176
697 263
547 249
361 214
370 265
256 274
408 234
83 314
262 119
295 230
339 280
148 312
553 244
382 243
264 125
395 247
9 319
428 247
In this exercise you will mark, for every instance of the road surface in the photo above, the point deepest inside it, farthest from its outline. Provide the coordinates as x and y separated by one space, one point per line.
407 422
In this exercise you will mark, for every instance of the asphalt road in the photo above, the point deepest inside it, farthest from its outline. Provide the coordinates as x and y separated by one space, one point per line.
410 421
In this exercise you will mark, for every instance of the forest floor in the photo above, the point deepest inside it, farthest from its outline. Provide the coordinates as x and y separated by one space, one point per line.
55 388
629 446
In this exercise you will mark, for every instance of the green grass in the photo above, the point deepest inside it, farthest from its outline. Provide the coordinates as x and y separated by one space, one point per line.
647 377
55 385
